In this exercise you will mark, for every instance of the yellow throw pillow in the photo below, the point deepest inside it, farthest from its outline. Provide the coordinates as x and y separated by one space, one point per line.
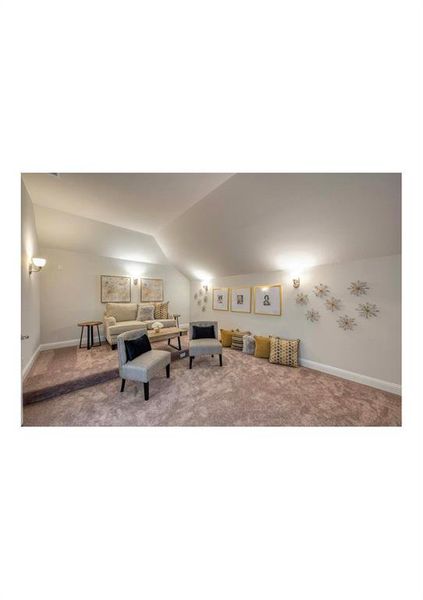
262 346
226 337
284 352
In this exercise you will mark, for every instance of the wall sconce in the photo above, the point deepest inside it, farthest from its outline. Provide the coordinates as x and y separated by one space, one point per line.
296 282
135 280
36 265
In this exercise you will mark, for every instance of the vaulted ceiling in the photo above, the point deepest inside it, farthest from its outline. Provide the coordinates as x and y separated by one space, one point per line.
212 225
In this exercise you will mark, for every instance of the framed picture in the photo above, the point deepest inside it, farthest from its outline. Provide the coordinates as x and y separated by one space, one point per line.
220 298
151 290
115 288
268 300
241 299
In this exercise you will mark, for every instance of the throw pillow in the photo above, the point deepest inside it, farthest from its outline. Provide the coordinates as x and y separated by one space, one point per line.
262 346
284 352
137 347
202 332
145 312
226 337
237 339
161 310
248 344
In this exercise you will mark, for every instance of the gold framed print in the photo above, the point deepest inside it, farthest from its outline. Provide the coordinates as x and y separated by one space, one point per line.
240 299
151 290
268 300
220 299
115 288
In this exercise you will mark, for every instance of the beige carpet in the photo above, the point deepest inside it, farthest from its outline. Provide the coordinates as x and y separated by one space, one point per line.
246 391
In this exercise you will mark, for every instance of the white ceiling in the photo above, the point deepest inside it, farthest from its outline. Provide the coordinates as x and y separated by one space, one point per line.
144 202
215 224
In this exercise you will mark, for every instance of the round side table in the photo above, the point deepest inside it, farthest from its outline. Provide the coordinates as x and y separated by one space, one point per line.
90 333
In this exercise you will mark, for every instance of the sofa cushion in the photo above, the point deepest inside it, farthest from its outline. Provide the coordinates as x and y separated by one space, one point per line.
161 310
284 352
125 326
237 339
262 346
137 347
122 311
226 337
145 312
204 346
248 344
201 333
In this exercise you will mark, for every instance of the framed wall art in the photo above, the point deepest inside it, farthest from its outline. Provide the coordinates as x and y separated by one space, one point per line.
115 288
268 300
240 299
151 290
220 299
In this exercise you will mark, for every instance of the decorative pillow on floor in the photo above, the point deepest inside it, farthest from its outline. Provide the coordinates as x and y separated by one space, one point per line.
262 346
248 344
237 339
284 352
161 310
145 312
226 337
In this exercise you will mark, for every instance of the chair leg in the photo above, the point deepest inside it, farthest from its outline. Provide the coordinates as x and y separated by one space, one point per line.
191 358
122 387
146 391
168 371
220 360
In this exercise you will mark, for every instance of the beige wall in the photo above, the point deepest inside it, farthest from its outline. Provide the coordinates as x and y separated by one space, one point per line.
30 284
373 349
70 290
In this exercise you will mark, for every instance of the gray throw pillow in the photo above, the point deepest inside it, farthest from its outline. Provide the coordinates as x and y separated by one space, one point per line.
145 312
248 344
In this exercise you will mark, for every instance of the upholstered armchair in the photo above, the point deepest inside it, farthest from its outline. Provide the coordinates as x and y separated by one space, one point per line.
204 346
143 367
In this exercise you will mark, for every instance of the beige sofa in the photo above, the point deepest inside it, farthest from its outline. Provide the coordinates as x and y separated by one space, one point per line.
120 317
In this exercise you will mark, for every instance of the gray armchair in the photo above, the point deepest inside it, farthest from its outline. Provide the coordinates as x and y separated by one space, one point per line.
143 367
204 346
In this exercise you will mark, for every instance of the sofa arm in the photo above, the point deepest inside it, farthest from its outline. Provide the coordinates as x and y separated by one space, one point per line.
108 321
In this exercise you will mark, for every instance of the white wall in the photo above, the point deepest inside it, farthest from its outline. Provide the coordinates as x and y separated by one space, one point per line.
373 349
30 284
70 290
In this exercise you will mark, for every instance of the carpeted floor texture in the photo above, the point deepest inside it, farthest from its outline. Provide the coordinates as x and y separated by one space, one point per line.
246 391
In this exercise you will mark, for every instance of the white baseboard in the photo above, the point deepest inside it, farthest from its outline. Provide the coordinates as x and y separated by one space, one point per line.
64 344
29 364
386 386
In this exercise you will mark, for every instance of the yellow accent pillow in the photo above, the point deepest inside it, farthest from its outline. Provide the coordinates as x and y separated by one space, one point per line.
226 337
262 346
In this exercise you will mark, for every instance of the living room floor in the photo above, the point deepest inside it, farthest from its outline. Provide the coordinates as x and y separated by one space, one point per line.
246 391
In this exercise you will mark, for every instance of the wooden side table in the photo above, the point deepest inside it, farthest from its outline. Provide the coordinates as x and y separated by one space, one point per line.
90 333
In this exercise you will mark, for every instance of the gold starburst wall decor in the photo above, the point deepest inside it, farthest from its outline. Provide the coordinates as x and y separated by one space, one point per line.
321 290
358 288
302 299
333 304
367 310
346 323
312 315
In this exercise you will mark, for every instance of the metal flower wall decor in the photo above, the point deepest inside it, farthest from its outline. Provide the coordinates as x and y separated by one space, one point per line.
346 323
302 299
367 310
321 290
333 304
358 288
313 315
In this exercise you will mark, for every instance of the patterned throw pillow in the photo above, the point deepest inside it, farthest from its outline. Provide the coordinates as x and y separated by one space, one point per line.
145 312
284 352
161 310
237 339
226 337
262 346
248 344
